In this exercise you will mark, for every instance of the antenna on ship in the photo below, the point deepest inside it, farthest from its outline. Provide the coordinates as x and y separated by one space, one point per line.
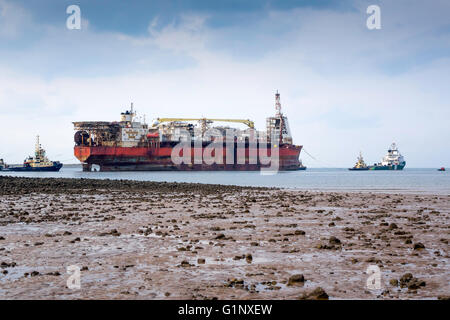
132 112
277 104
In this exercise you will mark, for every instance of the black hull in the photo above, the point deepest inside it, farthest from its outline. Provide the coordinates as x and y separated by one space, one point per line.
54 168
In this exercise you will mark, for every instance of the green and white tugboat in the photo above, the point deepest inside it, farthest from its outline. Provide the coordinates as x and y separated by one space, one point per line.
393 160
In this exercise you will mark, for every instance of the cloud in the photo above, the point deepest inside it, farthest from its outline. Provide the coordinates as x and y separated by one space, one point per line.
13 19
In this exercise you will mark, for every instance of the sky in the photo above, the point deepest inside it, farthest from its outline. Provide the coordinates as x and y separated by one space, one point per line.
344 88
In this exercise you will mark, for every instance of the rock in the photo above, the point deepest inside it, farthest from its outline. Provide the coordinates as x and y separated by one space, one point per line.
394 282
2 238
185 264
393 226
113 232
334 240
418 246
407 277
75 240
249 258
235 283
296 279
299 232
415 284
317 294
220 236
201 261
4 265
407 280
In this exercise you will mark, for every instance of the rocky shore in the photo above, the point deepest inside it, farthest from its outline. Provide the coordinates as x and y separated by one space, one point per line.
152 240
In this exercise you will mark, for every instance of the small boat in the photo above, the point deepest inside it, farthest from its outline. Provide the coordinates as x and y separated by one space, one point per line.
441 169
360 165
301 167
37 163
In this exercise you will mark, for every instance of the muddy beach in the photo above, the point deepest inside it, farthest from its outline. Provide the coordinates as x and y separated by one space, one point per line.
148 240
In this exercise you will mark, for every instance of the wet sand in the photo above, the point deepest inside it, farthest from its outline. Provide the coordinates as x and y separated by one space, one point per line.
146 240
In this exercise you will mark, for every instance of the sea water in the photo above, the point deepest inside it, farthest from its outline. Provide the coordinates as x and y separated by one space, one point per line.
327 179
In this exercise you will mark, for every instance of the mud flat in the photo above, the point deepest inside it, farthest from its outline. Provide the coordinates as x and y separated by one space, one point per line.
146 240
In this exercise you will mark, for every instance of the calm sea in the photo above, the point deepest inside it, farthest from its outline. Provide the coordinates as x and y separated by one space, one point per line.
408 180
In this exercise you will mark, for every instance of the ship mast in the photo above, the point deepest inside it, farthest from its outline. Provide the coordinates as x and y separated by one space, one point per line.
38 148
278 104
280 115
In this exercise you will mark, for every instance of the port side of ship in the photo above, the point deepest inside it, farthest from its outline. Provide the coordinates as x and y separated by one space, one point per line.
130 145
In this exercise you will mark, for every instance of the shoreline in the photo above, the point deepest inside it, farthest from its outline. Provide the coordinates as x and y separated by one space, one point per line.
152 240
377 190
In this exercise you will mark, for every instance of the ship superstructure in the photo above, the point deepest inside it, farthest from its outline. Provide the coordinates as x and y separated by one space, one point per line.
134 145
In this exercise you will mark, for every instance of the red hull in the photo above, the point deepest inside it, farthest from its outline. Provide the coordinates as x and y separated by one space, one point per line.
159 159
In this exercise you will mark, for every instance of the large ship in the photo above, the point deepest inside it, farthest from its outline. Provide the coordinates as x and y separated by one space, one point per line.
132 145
37 163
393 160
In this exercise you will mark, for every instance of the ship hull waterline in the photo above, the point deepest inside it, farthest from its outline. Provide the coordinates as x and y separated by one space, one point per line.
388 167
159 159
54 168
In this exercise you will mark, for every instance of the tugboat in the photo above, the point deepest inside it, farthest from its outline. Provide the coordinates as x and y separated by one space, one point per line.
441 169
301 167
37 163
393 160
360 164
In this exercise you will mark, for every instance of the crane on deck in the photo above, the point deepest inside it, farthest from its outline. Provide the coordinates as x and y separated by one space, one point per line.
247 122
